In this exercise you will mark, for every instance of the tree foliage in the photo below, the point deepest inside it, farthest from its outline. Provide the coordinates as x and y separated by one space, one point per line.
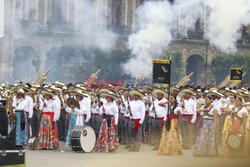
76 63
221 66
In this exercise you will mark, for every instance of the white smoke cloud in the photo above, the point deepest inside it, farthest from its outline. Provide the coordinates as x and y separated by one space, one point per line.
154 21
1 18
92 24
225 19
157 21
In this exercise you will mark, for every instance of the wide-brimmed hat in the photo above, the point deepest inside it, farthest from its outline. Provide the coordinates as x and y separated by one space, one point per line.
187 90
241 90
59 84
78 92
161 91
20 91
214 93
47 92
212 89
173 88
108 94
134 92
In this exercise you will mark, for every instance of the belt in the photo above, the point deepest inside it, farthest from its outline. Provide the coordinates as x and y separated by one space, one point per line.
122 113
94 114
136 124
19 111
159 118
63 110
189 117
126 117
85 116
151 117
147 112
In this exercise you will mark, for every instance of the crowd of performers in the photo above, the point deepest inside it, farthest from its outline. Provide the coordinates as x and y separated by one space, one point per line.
190 118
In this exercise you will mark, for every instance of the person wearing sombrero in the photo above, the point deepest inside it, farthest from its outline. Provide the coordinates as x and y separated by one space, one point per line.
48 132
19 105
107 140
29 107
206 144
235 123
77 117
137 115
216 101
188 117
159 109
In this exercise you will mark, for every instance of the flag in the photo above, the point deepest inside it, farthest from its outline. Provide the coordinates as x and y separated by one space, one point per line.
161 73
1 18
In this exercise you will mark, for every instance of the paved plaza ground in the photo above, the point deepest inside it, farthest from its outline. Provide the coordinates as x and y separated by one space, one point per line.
145 158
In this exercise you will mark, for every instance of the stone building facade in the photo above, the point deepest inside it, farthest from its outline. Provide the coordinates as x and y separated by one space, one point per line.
38 20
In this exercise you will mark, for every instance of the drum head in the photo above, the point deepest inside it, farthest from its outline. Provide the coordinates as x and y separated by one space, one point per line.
88 139
234 141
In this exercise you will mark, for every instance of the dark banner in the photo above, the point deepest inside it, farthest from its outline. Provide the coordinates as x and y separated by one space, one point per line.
236 74
161 73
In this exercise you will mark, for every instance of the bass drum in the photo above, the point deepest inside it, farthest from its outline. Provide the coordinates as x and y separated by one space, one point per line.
83 138
235 140
33 143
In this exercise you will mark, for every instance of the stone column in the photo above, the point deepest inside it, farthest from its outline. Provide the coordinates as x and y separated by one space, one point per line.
45 13
37 10
14 13
126 13
67 10
76 14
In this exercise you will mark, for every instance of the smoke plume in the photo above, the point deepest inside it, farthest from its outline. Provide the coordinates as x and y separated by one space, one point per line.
154 22
157 23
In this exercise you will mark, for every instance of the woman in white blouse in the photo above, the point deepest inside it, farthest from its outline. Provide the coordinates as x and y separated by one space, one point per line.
171 136
206 144
235 124
48 132
108 136
19 105
77 117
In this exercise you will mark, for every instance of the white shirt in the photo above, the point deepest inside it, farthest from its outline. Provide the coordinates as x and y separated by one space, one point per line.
51 107
85 105
211 112
242 112
176 110
160 112
137 108
217 104
78 113
20 104
111 109
58 106
30 105
190 108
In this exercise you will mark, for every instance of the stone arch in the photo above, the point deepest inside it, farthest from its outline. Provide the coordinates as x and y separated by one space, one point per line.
25 63
196 64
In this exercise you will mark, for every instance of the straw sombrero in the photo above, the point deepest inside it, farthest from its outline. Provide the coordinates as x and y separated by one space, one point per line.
173 88
47 92
108 94
161 91
134 92
78 92
187 90
20 91
214 93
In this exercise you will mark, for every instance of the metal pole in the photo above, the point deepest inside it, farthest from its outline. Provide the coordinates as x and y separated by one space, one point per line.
206 63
